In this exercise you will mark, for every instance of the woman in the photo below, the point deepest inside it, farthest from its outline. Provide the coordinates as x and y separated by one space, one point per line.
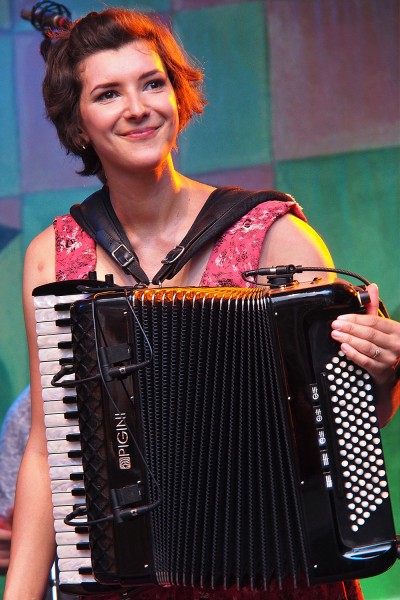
119 90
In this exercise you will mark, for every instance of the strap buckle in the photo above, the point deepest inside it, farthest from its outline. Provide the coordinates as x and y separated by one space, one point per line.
122 255
173 255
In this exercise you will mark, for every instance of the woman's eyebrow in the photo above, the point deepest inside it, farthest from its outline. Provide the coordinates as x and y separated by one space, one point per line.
111 84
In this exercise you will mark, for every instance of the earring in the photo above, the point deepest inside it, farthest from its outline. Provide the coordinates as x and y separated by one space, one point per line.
83 147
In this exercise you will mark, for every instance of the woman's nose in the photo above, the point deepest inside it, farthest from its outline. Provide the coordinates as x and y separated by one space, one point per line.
136 107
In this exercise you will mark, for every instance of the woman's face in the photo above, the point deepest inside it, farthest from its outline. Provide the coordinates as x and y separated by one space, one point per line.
128 108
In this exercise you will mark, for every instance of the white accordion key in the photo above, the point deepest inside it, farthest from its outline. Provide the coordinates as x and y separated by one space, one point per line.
53 353
64 499
46 379
59 460
59 420
71 551
58 406
60 512
59 525
69 537
50 300
64 472
62 446
50 315
53 340
59 486
74 564
50 367
74 577
48 328
60 433
57 393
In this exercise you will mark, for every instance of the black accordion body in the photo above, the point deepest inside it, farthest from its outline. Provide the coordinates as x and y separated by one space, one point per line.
223 439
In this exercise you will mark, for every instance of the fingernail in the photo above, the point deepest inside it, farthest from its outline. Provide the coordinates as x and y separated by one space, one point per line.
342 317
336 334
336 324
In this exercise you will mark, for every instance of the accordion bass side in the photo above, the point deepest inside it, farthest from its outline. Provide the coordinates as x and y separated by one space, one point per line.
223 437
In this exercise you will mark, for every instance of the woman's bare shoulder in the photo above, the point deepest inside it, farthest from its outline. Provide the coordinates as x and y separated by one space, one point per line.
292 241
39 265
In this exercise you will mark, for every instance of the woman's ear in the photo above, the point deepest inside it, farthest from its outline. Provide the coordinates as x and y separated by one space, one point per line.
83 138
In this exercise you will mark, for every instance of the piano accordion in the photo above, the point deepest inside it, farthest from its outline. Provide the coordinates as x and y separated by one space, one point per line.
216 436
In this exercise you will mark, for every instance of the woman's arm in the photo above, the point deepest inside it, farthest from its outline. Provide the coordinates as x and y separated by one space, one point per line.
372 342
292 241
32 544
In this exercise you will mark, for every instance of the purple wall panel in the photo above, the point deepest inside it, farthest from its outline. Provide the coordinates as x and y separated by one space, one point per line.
253 178
44 164
10 212
330 86
186 4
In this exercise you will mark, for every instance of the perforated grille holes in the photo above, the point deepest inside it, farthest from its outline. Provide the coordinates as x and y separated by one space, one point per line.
356 425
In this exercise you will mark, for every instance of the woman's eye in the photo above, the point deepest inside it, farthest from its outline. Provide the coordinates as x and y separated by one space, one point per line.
107 95
155 84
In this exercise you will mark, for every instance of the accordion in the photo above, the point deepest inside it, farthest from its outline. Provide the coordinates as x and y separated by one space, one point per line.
212 437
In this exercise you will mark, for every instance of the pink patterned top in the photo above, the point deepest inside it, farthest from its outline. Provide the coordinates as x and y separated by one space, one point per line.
237 250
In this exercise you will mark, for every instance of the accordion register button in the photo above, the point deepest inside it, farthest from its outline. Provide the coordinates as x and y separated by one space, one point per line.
318 415
325 460
328 481
321 437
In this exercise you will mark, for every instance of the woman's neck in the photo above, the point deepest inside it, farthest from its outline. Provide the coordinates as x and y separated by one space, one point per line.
148 200
156 210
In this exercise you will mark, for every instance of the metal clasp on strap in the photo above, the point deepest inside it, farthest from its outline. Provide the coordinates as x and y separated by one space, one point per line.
173 255
124 262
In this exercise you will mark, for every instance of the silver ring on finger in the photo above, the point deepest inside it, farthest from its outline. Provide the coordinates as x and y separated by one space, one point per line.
377 352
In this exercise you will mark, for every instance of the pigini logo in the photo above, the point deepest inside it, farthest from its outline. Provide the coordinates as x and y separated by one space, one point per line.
122 437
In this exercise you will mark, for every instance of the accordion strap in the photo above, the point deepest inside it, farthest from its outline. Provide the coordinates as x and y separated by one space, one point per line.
223 208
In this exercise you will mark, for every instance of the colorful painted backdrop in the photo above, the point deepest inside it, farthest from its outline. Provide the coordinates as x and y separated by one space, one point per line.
303 97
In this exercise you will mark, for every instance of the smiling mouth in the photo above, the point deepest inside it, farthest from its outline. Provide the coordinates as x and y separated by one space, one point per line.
140 133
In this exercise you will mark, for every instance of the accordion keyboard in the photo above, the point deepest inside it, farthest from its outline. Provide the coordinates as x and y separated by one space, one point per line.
63 438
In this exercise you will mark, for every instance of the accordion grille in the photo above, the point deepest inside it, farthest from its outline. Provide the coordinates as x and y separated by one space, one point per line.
94 445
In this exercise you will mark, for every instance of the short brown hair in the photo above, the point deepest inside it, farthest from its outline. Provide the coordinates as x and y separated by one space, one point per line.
110 30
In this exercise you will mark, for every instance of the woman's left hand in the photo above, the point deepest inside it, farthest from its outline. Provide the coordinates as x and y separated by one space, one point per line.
372 342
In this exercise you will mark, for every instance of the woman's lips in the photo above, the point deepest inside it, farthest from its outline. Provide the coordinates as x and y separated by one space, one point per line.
141 133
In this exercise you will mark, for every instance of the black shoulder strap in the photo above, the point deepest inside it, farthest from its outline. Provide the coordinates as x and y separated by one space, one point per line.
222 209
97 217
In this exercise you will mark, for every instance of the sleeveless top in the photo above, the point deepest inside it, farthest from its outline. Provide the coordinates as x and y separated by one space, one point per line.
237 249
